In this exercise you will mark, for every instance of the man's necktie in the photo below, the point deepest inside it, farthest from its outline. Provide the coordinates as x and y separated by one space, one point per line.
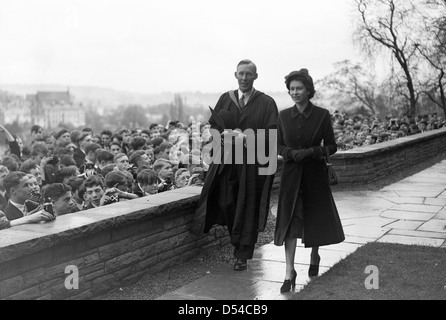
242 101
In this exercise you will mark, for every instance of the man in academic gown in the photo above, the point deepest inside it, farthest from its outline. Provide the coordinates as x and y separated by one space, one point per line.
237 194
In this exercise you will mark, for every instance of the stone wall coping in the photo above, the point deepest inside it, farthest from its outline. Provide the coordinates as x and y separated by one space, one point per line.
30 238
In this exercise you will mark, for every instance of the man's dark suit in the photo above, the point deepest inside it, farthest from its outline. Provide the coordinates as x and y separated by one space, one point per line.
12 212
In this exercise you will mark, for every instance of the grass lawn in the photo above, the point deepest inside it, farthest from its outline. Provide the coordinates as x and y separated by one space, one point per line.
403 272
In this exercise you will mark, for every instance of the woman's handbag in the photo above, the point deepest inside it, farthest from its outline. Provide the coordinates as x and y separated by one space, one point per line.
332 176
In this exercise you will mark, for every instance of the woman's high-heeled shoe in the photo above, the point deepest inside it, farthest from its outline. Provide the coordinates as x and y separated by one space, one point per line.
289 284
313 271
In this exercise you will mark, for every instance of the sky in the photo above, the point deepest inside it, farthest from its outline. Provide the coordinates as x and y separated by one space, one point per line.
150 46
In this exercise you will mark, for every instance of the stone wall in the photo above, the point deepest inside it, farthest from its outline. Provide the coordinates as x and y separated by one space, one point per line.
117 244
370 163
111 246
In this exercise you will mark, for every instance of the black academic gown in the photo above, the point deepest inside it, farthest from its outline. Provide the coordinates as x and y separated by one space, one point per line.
235 195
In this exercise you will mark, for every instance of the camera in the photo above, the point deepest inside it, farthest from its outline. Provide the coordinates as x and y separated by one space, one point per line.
89 166
33 201
55 160
48 206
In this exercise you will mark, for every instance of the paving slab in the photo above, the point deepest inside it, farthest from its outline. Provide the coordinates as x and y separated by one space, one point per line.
435 225
412 200
417 208
405 224
401 239
365 231
417 233
407 215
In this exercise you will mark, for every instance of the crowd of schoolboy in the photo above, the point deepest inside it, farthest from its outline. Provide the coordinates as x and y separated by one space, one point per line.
68 171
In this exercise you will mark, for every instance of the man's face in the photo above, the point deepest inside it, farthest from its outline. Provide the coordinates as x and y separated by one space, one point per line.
106 139
3 174
166 172
245 75
126 137
65 137
20 193
183 179
145 136
33 185
150 188
94 194
144 160
64 204
37 174
122 163
115 149
37 134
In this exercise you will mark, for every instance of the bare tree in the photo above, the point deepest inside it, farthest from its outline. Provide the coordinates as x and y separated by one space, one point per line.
432 47
356 84
387 23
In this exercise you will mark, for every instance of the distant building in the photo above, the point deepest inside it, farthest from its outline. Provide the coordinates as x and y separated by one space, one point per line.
13 109
50 109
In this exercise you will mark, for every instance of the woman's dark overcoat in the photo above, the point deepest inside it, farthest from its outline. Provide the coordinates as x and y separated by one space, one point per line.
319 217
236 195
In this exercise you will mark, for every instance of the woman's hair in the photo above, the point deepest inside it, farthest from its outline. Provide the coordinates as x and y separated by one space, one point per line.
304 76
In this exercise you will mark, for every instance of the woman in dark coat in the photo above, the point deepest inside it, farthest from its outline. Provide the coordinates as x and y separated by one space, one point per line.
306 208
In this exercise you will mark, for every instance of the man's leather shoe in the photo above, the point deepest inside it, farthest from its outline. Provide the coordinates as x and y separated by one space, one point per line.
241 264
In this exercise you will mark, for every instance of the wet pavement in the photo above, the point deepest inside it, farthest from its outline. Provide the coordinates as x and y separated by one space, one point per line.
411 211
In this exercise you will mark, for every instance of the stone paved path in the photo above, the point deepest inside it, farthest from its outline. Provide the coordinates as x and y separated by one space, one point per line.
411 211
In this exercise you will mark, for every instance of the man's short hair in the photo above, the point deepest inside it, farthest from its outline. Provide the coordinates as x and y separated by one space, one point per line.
137 143
118 156
82 136
36 128
107 132
11 163
60 133
28 165
104 155
160 163
134 158
146 132
94 181
66 172
121 131
247 61
91 147
153 125
12 180
147 177
39 149
55 191
114 178
75 183
162 147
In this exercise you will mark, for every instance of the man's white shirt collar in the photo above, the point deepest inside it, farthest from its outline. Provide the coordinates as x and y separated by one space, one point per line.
247 95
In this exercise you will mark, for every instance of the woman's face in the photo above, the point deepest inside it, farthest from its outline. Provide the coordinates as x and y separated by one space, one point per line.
298 92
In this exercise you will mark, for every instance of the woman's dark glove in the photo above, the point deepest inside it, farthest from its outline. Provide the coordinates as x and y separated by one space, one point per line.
301 155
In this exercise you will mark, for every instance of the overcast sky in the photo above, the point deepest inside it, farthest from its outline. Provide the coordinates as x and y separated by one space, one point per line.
179 45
